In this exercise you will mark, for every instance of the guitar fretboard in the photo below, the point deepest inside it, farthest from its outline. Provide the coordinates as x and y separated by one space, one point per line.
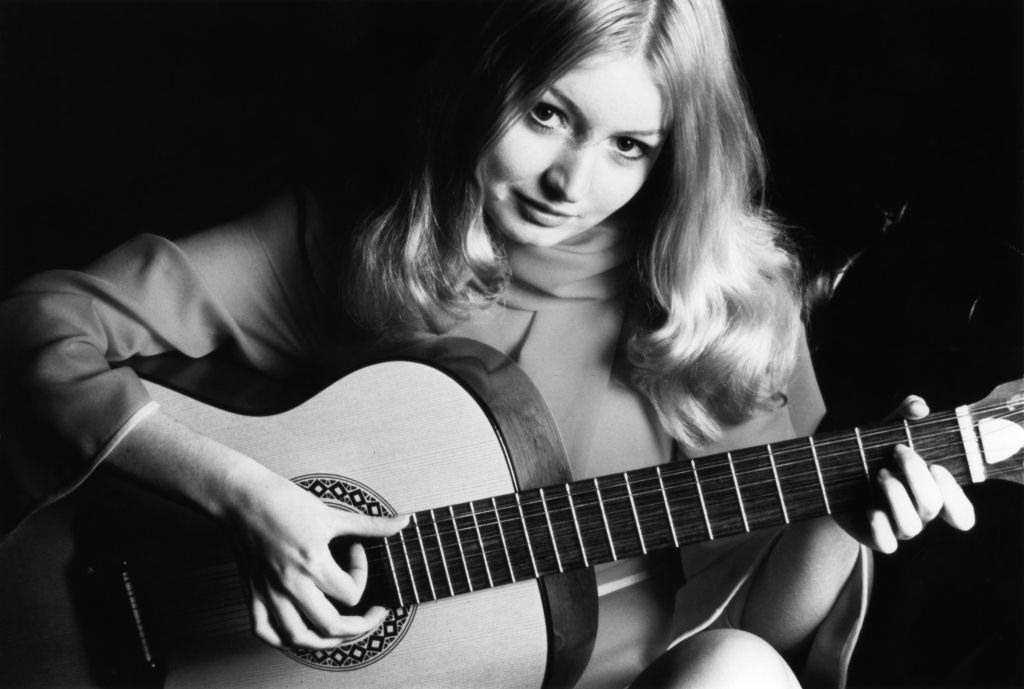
485 543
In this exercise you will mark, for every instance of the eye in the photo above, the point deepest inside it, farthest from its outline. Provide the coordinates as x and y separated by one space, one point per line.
630 148
546 116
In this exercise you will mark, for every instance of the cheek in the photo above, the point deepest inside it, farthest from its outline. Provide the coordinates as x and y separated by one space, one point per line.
617 187
516 156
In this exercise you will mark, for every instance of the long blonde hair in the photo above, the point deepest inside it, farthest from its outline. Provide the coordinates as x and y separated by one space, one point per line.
715 334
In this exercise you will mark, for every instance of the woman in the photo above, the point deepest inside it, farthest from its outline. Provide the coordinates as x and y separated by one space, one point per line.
582 203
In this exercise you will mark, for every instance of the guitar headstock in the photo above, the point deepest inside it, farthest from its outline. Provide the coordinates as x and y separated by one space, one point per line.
998 422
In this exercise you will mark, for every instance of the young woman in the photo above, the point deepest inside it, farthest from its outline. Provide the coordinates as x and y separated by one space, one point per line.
584 203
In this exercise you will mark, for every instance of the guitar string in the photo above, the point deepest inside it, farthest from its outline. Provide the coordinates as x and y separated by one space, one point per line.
677 469
738 461
492 550
743 458
238 620
582 504
494 542
625 509
749 456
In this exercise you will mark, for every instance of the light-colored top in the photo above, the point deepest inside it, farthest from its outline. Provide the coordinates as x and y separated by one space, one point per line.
262 286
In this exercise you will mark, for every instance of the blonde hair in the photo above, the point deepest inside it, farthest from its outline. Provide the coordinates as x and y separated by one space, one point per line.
720 318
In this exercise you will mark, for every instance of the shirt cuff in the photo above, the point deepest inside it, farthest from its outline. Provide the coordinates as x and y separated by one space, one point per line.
127 427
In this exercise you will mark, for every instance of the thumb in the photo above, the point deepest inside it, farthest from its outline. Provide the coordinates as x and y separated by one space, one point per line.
912 407
359 524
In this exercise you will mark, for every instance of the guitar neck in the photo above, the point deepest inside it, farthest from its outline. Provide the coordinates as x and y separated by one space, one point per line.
485 543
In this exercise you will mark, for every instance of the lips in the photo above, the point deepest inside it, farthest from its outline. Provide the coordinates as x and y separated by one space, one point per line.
540 213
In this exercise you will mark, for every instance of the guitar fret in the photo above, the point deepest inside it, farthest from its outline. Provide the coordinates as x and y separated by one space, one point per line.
636 517
863 455
700 496
408 566
394 572
440 549
526 535
910 439
821 479
778 485
739 496
576 523
504 543
423 550
604 519
668 510
462 553
551 530
483 550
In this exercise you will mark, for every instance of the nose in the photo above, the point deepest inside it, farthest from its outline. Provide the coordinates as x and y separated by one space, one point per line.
568 177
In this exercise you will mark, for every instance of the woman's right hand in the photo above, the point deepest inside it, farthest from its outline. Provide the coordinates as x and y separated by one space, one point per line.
283 534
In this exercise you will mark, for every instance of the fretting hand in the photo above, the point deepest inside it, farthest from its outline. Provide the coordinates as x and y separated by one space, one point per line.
910 495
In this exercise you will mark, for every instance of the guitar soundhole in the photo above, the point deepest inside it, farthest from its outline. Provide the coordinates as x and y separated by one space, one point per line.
346 494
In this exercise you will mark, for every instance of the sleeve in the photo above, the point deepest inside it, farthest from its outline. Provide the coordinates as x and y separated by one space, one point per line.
244 284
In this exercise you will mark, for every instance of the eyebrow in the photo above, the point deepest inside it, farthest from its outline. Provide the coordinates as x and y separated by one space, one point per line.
578 114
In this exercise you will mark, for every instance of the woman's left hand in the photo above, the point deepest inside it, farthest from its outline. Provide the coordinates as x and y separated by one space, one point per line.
910 494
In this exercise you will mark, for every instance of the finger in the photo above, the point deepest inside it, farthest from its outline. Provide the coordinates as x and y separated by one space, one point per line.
912 407
291 626
925 493
345 585
915 407
882 536
902 513
261 625
325 619
957 509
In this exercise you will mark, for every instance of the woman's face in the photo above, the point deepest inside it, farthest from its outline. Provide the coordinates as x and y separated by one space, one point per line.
578 155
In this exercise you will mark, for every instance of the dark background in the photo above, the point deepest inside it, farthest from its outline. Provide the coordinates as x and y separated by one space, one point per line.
120 118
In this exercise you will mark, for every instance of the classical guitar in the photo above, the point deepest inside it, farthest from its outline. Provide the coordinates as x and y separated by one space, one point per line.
489 584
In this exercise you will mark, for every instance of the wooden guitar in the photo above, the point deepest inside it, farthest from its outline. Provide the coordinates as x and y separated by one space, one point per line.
458 437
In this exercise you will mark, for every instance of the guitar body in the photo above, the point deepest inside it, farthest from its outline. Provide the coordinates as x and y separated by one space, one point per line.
117 585
394 437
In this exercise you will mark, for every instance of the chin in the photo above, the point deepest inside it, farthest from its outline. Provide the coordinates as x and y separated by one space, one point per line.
531 235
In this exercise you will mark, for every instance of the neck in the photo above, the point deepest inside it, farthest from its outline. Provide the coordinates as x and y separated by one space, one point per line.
485 543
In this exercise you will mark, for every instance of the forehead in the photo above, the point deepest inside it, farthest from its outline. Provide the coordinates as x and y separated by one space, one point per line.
615 92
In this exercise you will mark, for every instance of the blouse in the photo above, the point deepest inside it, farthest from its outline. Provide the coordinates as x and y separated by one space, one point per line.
262 286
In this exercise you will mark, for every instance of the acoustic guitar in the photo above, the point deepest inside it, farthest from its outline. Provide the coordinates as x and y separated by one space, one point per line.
489 584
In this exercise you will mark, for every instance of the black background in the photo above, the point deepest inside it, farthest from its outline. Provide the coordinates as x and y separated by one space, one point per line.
125 117
120 118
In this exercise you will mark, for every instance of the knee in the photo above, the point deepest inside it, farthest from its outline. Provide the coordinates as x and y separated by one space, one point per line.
720 659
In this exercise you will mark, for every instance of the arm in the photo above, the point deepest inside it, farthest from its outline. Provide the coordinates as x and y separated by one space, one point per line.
243 284
60 330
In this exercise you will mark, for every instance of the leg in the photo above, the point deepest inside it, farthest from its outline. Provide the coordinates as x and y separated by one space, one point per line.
719 659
